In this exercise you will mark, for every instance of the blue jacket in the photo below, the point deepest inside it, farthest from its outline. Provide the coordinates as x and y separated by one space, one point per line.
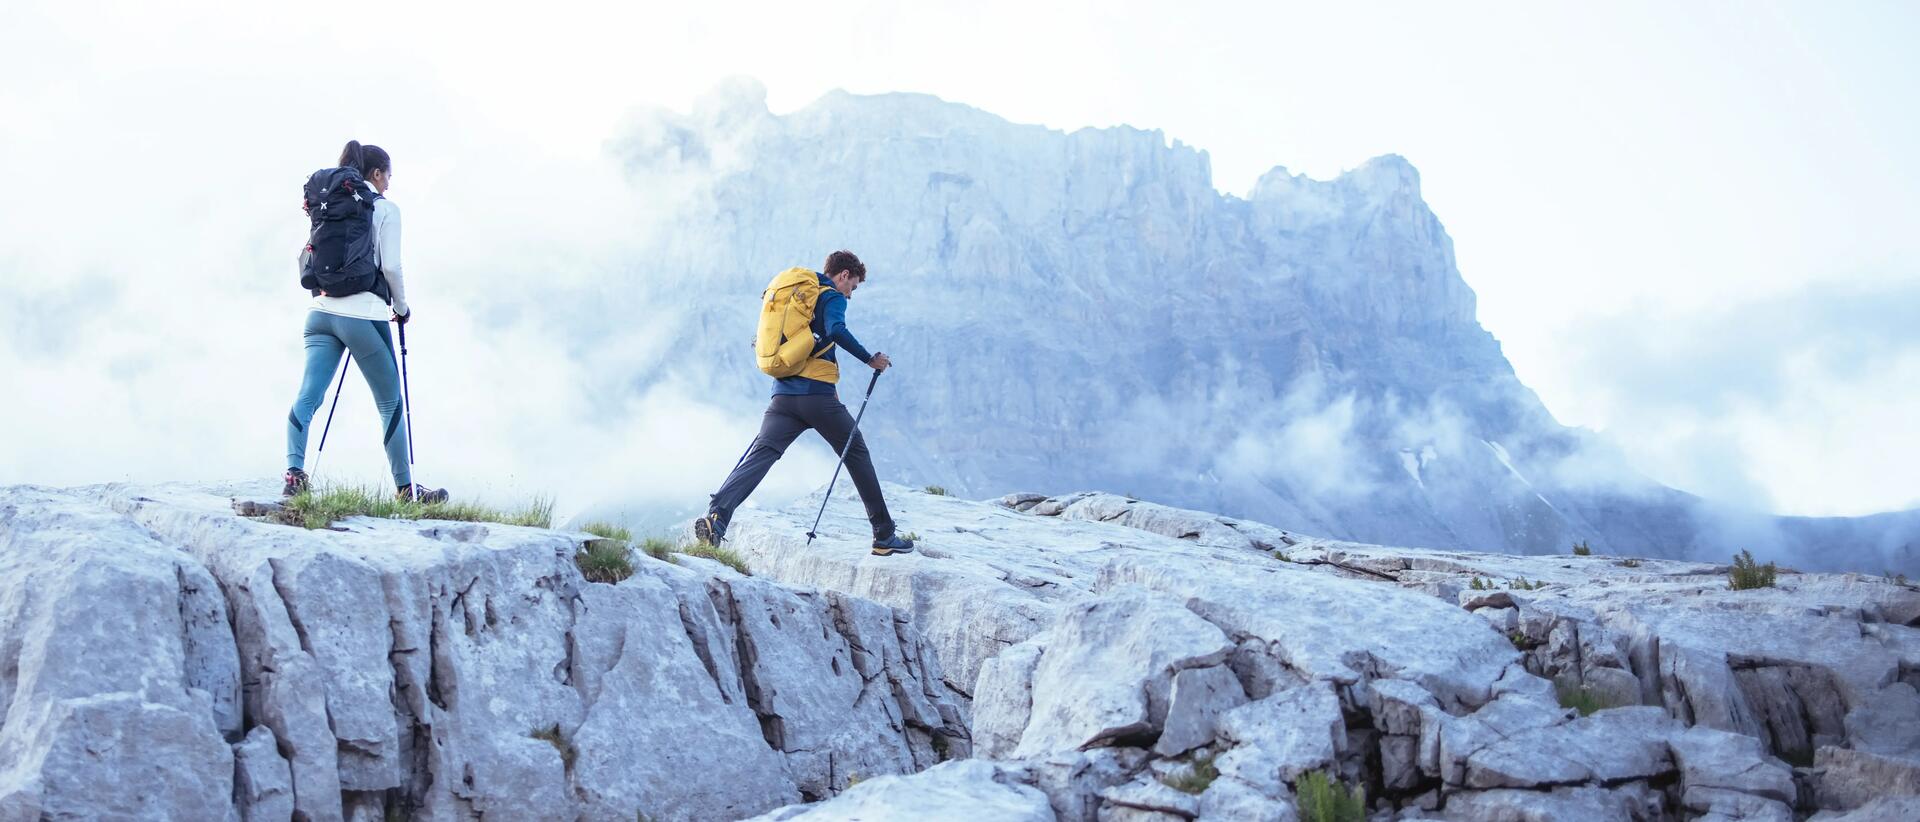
829 327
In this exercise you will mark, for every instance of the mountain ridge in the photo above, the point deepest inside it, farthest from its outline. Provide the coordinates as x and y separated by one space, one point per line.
1061 301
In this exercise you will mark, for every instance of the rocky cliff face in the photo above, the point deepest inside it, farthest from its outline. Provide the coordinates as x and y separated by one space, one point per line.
1108 645
1085 310
1079 657
163 658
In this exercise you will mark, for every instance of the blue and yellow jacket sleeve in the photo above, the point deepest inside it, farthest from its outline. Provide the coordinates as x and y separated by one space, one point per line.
833 325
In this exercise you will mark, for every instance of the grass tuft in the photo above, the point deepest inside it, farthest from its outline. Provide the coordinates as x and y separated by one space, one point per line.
1522 584
1321 798
1580 549
604 560
1195 779
941 748
1629 563
660 548
1580 697
322 507
1746 574
937 490
607 530
722 555
912 536
553 736
1478 585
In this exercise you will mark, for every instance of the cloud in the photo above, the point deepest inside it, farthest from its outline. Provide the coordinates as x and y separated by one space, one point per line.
150 318
1313 449
1797 402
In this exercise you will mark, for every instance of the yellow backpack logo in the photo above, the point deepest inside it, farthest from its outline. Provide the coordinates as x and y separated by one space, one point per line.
784 346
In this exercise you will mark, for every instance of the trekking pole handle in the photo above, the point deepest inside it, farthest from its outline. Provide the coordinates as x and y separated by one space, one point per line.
873 382
403 337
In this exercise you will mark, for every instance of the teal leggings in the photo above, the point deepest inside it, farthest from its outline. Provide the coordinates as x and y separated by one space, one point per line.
329 336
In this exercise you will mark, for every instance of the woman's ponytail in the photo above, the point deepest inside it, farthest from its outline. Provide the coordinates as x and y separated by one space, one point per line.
365 159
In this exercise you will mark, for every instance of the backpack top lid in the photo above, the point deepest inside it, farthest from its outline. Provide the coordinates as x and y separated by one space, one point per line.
332 193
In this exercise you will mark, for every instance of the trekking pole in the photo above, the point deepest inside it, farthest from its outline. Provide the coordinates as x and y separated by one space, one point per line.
406 396
344 367
843 455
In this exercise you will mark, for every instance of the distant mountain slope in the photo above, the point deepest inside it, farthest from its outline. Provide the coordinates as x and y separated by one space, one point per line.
1086 310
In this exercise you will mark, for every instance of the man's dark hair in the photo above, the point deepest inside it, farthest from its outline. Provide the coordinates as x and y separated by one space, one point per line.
843 260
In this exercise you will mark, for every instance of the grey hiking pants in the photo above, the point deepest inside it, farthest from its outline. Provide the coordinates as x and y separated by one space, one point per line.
787 417
328 336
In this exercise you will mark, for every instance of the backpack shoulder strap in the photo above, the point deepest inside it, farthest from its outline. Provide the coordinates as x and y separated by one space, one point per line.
819 323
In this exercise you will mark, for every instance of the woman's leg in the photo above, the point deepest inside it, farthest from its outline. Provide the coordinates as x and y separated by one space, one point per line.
372 345
323 356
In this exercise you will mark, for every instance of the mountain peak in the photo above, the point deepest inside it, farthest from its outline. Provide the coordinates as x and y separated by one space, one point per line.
1383 176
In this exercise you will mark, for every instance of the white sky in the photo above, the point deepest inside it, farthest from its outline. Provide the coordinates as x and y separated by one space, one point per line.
1691 225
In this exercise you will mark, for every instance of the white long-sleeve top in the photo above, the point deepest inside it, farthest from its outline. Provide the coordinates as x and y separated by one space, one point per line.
386 254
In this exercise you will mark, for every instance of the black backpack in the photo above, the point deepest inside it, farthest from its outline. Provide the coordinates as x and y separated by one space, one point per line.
339 258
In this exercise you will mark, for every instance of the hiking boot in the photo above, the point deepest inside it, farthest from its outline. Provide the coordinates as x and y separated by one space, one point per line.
709 531
422 494
296 482
895 544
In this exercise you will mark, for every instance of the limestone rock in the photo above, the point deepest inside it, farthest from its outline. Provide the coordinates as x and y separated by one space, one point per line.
1278 738
1086 649
263 785
1197 699
963 791
1386 676
1148 794
1608 747
117 670
1074 780
1627 803
1852 779
1230 800
1003 699
1134 644
1883 809
1726 761
1720 804
434 670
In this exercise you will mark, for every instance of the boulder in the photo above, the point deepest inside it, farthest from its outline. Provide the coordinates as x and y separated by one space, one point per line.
1724 761
1107 673
1194 704
1275 740
117 669
263 784
961 791
1625 803
1853 779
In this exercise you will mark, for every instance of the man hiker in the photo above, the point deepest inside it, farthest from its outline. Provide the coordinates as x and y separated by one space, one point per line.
803 318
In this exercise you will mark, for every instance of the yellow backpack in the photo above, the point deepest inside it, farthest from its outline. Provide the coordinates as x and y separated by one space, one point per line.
784 346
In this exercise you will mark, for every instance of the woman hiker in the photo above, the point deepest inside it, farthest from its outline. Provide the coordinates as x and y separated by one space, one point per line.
352 268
